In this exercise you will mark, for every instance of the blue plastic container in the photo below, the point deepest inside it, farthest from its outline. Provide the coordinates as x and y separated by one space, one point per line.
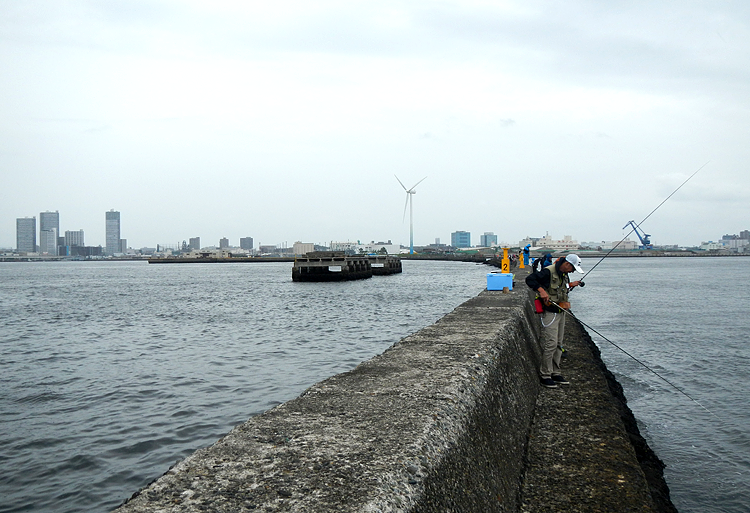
498 281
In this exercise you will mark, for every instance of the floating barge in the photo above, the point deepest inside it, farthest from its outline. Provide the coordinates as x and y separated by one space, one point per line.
337 266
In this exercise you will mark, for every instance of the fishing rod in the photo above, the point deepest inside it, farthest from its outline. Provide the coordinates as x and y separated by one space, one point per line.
608 340
567 312
644 220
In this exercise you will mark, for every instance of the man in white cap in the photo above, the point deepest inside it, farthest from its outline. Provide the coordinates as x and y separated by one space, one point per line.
552 285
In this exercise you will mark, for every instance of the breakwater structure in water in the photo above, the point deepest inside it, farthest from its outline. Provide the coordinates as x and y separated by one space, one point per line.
338 266
451 418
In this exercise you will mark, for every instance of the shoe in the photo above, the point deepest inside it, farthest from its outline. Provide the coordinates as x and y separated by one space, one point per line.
560 380
549 383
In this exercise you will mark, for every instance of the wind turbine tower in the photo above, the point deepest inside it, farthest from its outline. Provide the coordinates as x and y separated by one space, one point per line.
409 194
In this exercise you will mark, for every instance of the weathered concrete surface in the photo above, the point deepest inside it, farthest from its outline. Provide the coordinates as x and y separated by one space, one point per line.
439 422
580 457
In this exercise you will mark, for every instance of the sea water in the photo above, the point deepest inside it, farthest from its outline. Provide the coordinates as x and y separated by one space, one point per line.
685 319
113 371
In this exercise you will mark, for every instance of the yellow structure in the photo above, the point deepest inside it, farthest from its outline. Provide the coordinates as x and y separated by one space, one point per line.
505 262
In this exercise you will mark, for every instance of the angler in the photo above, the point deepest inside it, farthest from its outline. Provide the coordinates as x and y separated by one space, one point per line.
552 285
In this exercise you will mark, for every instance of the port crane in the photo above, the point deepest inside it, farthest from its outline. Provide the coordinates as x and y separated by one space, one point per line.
645 240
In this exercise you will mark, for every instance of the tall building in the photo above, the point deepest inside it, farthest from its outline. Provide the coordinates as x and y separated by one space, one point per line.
488 240
461 239
48 242
195 243
247 243
49 220
112 220
223 243
74 238
49 230
26 234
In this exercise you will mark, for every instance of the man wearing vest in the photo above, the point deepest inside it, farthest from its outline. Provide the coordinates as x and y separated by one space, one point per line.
552 284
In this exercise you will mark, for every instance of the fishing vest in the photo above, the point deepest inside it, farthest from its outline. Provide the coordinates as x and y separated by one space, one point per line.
558 285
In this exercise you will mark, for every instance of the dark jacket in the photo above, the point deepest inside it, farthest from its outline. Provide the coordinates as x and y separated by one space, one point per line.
542 262
542 279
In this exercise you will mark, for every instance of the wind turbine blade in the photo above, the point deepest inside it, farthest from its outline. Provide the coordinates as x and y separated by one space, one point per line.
405 205
422 180
399 181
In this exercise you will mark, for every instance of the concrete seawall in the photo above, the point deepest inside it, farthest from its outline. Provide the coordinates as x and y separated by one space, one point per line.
451 418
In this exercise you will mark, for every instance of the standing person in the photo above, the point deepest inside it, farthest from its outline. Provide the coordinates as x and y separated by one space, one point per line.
552 284
542 262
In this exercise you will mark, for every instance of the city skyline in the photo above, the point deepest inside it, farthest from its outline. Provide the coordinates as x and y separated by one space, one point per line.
26 233
290 120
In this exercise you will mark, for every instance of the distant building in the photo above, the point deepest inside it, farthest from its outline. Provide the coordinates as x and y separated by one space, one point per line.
302 248
223 243
745 235
195 243
711 246
123 246
622 245
49 230
48 242
547 243
736 245
461 239
112 232
74 238
83 251
268 249
378 247
49 220
26 234
246 243
347 247
488 239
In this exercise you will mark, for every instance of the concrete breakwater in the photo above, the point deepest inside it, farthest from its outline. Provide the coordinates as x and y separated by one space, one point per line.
451 418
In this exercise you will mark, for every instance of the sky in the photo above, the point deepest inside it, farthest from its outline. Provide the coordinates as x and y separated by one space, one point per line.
289 120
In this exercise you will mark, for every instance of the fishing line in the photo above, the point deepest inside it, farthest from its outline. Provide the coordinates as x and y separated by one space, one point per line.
600 261
637 360
645 218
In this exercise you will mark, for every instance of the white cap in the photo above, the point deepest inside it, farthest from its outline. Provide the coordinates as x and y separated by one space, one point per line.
575 261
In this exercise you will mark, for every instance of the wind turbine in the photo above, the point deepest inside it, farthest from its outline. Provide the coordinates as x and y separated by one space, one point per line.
409 193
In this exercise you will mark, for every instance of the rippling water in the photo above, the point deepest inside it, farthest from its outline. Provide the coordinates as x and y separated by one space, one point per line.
113 371
687 319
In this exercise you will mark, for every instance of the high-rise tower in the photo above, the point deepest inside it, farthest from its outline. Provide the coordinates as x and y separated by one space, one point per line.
112 232
26 234
49 231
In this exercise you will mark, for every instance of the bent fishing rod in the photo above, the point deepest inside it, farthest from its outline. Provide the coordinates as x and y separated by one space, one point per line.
568 312
644 220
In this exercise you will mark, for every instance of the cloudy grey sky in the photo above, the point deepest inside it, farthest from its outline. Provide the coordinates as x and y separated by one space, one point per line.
287 120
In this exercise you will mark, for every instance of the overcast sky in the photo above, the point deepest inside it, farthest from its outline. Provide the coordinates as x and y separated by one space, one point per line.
287 121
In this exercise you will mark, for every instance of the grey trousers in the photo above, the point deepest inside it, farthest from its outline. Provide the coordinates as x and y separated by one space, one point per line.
553 330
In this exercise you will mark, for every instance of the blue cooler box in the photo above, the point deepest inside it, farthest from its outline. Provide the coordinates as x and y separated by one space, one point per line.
497 281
